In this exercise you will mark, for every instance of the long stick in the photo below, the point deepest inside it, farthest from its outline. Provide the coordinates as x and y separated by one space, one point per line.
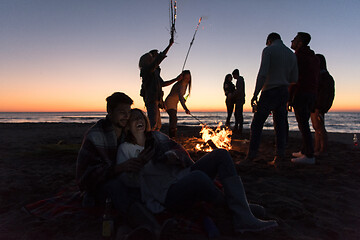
198 119
191 43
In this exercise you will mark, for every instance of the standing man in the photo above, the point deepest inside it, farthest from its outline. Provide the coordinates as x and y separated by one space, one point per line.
152 84
303 94
240 101
278 69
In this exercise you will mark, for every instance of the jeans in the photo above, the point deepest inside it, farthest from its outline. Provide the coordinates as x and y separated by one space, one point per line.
271 100
198 185
153 113
303 104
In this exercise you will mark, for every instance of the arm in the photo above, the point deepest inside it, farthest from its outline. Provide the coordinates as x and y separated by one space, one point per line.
182 101
171 41
169 82
263 71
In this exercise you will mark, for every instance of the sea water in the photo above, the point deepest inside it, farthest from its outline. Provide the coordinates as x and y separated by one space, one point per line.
343 122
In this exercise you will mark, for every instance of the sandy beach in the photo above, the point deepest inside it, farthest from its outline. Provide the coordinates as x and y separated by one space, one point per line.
320 201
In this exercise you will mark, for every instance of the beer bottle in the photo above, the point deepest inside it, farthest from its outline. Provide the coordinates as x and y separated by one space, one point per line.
108 221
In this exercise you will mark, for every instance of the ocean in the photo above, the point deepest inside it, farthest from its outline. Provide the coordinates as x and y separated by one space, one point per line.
341 122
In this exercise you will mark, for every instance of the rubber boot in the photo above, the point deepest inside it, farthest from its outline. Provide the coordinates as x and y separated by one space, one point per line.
243 219
257 210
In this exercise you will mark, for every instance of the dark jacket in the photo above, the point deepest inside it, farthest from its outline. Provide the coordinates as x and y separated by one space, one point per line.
309 68
151 87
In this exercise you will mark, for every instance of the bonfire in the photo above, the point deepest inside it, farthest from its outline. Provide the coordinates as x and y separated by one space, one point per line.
218 138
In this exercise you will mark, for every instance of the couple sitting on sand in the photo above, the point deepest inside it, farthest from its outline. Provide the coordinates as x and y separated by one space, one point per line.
121 159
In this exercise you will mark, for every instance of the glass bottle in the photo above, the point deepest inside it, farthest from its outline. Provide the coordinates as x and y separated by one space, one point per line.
108 221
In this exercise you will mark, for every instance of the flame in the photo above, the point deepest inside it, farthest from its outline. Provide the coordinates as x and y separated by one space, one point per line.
220 137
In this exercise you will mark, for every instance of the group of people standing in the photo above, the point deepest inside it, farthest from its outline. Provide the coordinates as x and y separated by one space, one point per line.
289 80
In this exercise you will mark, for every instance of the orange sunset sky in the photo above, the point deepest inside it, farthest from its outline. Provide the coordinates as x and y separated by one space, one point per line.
70 55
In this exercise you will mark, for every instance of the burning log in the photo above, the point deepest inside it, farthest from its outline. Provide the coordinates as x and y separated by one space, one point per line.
211 144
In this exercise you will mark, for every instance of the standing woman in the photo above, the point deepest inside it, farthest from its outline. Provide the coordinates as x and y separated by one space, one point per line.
176 94
229 89
324 99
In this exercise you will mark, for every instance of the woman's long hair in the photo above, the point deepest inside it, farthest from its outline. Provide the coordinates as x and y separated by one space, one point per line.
187 72
228 78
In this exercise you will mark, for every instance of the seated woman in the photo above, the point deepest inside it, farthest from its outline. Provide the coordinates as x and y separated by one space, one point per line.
171 180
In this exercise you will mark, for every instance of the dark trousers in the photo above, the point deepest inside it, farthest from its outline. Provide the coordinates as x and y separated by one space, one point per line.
198 185
303 104
239 118
271 100
153 113
230 108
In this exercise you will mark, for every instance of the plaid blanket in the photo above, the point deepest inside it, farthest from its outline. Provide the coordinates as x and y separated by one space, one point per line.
64 203
70 204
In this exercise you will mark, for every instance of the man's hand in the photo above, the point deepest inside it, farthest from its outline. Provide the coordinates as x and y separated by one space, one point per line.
187 111
289 106
253 100
131 165
136 164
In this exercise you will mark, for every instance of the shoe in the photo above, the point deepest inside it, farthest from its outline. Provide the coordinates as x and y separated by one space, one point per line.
297 154
303 160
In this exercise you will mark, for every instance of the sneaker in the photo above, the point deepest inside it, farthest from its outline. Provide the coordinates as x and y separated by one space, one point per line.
303 160
297 154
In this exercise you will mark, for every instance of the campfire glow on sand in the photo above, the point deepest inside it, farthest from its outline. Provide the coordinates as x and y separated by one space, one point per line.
218 138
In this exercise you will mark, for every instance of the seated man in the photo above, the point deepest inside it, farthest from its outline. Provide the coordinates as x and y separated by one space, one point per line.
96 171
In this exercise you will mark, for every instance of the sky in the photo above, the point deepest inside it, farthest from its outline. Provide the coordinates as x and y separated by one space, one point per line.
69 55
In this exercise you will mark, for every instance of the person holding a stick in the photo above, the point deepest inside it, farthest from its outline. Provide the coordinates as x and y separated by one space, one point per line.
152 83
175 96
